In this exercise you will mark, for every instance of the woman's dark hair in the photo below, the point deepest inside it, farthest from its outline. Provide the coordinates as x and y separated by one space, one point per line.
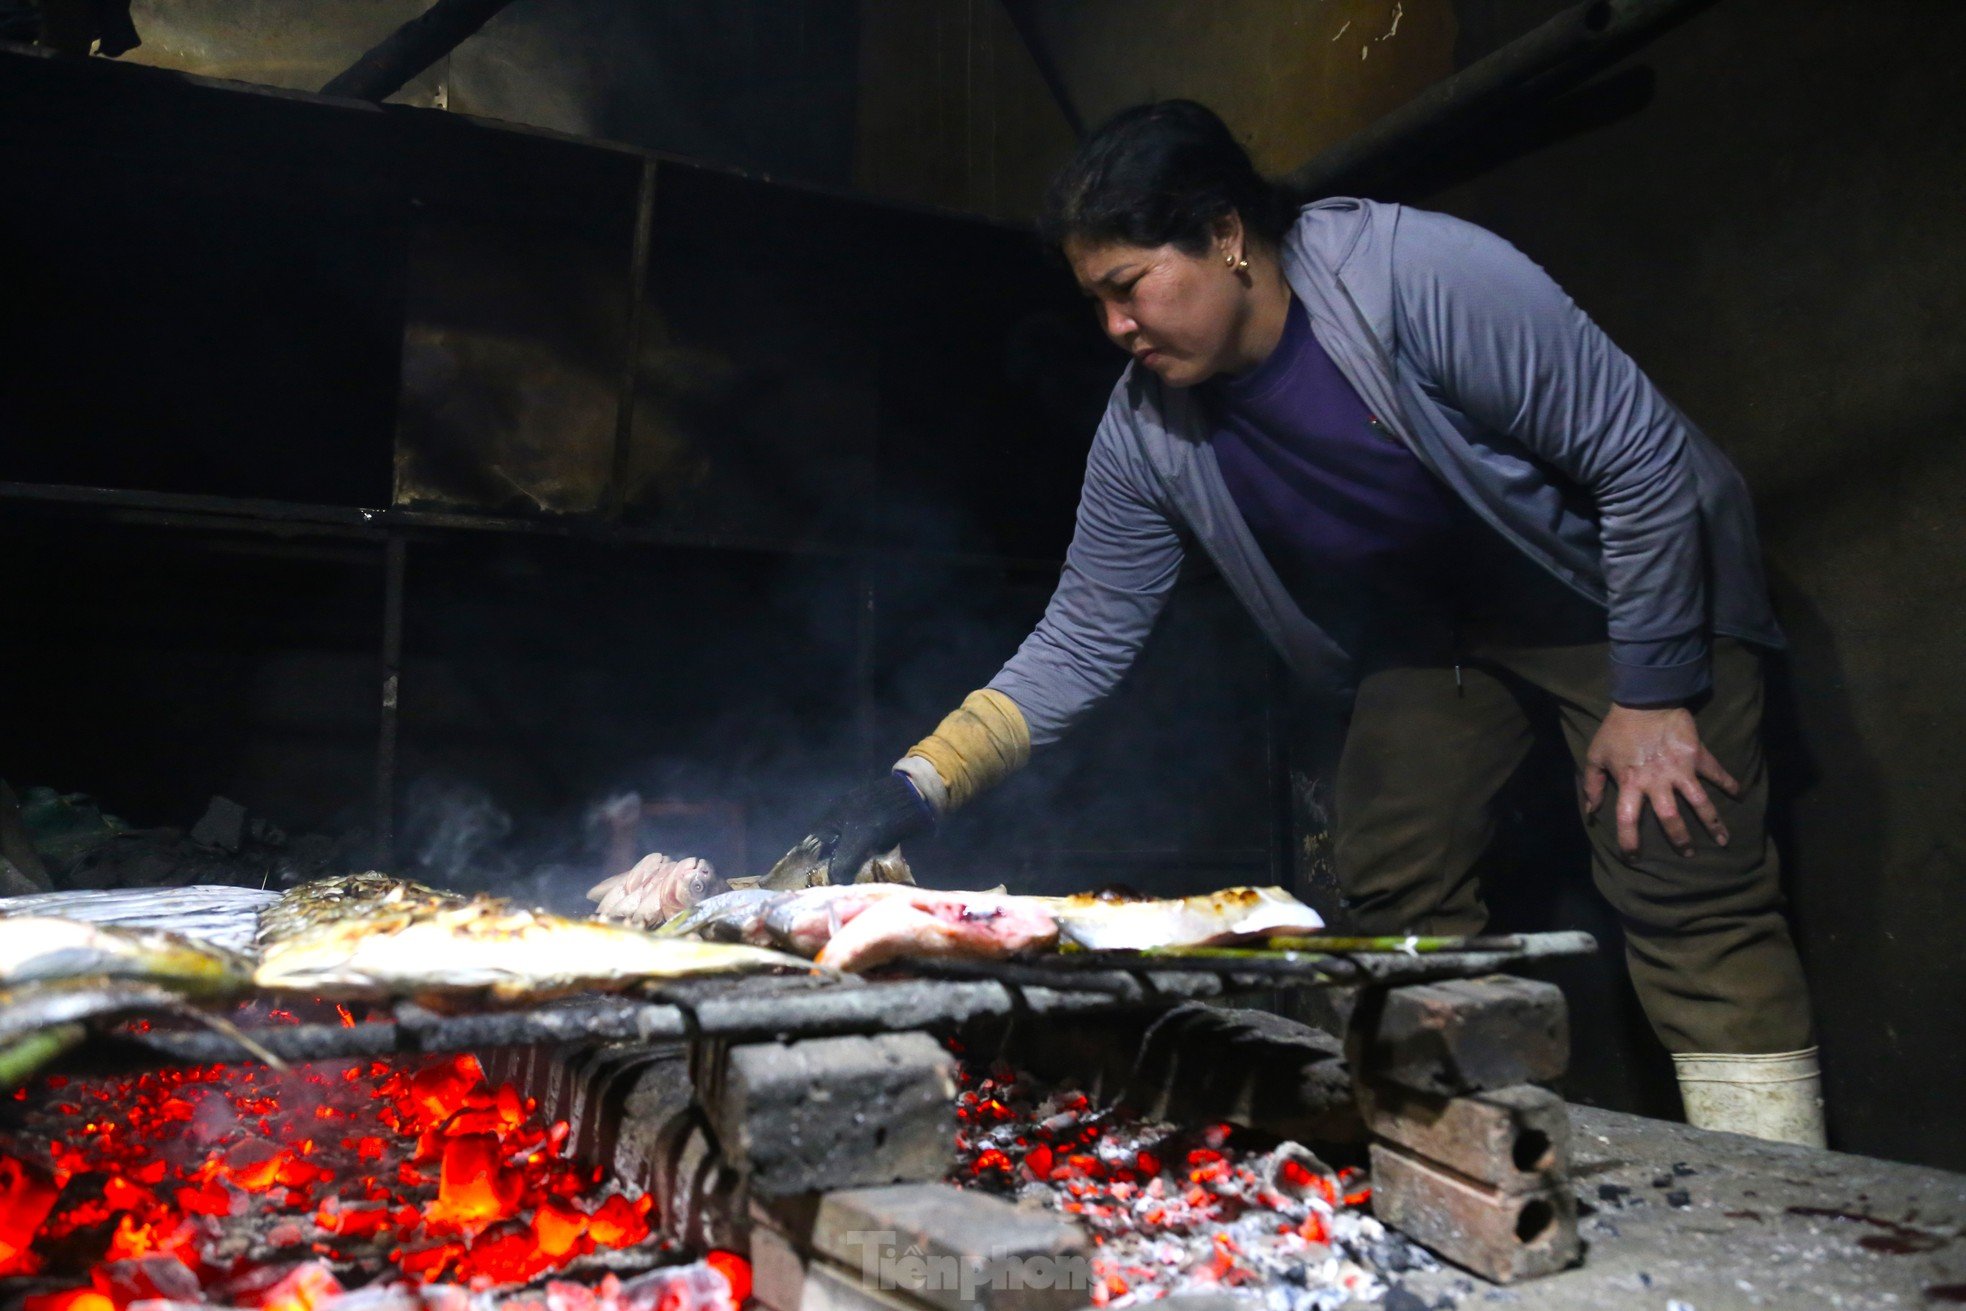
1158 175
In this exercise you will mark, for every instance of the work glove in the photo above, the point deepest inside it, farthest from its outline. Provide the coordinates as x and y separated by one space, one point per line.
865 823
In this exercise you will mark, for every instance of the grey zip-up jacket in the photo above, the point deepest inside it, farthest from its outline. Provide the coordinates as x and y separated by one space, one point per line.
1470 354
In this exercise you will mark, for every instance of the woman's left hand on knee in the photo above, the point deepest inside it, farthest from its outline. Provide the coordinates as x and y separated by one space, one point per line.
1655 757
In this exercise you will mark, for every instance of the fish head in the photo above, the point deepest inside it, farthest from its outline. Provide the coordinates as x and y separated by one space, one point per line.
700 882
689 883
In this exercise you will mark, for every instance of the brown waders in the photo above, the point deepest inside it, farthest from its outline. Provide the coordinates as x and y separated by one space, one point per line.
1439 726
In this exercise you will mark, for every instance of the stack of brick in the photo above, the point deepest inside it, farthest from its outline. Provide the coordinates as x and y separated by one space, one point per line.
1470 1155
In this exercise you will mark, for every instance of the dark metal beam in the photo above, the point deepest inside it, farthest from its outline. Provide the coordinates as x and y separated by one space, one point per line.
301 519
411 48
1563 51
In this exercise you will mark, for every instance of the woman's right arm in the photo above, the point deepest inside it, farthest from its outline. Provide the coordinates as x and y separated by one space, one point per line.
1124 558
1123 561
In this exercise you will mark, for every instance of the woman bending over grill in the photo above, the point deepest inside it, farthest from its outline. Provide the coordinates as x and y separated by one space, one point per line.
1443 492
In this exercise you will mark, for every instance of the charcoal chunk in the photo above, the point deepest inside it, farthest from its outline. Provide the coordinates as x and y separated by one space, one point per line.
223 825
1399 1298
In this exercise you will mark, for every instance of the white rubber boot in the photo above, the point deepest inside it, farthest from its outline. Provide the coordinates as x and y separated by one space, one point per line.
1778 1096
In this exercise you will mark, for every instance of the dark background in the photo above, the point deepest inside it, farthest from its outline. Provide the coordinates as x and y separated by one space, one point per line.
220 292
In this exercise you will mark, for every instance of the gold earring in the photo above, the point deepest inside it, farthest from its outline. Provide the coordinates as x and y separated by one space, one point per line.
1242 264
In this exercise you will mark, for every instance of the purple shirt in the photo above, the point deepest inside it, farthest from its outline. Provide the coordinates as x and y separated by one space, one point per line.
1358 529
1347 515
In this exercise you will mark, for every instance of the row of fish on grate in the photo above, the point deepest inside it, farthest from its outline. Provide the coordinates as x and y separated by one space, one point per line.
363 935
75 957
376 935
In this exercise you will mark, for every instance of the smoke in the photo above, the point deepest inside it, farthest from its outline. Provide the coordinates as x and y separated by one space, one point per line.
452 827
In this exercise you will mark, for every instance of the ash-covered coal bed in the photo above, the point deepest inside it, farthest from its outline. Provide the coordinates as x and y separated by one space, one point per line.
1179 1209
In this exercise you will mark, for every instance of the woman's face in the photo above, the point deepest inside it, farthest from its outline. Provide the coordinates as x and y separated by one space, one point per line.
1177 314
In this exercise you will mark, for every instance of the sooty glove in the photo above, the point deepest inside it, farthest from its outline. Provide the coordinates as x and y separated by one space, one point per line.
862 824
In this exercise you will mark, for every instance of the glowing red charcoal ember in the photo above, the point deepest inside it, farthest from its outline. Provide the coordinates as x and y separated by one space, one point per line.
74 1299
735 1270
305 1288
558 1227
161 1175
26 1197
207 1199
617 1222
474 1189
428 1264
1039 1161
354 1222
991 1160
509 1257
441 1090
168 1232
1296 1174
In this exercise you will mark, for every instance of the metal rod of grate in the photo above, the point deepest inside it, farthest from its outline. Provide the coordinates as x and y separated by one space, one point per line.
800 1007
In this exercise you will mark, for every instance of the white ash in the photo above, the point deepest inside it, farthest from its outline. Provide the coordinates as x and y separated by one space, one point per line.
1216 1213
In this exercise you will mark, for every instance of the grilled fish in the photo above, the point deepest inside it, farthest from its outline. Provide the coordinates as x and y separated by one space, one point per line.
803 921
858 926
734 916
490 945
655 889
968 926
1106 923
350 896
41 947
